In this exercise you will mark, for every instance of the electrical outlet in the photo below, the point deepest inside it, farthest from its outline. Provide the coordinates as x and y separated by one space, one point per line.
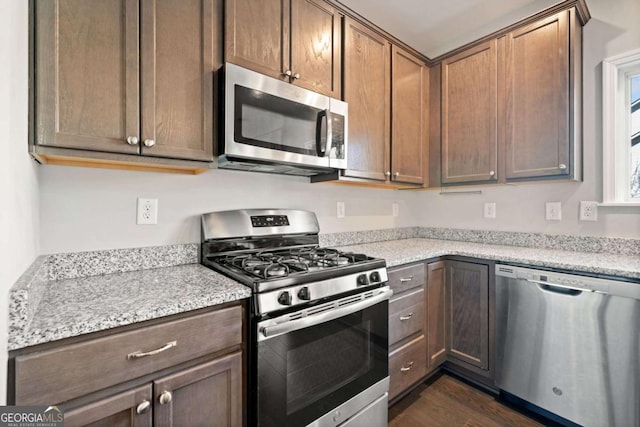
395 209
554 211
340 209
147 211
490 210
588 211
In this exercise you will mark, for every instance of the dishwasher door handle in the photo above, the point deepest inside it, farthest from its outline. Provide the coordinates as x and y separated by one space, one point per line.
549 287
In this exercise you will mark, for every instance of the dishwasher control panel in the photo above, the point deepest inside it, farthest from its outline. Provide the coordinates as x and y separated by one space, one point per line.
570 281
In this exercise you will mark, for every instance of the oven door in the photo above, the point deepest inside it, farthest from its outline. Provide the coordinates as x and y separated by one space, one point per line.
310 365
274 121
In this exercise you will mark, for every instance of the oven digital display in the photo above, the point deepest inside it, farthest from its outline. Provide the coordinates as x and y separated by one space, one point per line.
269 220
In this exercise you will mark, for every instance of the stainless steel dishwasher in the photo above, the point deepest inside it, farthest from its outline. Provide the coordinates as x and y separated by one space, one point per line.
569 344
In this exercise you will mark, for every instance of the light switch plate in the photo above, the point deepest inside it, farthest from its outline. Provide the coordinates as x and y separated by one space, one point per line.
395 209
340 210
554 211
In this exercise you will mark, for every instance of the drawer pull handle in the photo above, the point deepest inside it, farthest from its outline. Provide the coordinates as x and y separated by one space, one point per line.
406 279
407 317
143 407
408 368
138 354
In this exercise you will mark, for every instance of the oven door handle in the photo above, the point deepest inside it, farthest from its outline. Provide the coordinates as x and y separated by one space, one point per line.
305 322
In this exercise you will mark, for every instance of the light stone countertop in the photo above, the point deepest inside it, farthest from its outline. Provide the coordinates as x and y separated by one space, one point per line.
397 252
77 306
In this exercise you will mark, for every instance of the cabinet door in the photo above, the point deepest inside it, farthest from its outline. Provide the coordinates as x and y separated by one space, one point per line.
177 78
209 394
316 42
409 132
436 314
468 310
87 93
257 35
469 115
367 79
130 408
537 99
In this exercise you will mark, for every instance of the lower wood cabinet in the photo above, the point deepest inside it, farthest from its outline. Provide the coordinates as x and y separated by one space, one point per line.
440 314
469 316
407 327
182 372
436 314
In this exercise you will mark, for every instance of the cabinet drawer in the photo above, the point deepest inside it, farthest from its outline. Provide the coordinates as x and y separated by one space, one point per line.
406 316
407 365
73 370
402 279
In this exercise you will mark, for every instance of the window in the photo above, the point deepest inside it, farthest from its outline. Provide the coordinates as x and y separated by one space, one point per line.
621 129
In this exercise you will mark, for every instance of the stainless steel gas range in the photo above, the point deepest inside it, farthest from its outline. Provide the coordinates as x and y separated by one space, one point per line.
318 350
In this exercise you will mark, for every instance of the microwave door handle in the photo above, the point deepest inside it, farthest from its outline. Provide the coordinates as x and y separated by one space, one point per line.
327 150
320 150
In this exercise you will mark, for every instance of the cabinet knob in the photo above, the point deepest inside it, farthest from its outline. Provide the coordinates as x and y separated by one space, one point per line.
492 173
149 143
296 76
287 73
562 166
132 140
397 174
387 173
143 407
165 397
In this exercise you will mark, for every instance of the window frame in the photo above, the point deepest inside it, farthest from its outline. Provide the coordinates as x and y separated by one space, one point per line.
616 109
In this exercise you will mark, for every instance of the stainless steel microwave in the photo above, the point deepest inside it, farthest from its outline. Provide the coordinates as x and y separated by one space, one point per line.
277 127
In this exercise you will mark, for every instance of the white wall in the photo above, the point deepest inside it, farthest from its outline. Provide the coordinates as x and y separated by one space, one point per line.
612 30
88 209
18 175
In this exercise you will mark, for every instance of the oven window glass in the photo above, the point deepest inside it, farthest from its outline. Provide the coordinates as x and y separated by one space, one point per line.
306 373
268 121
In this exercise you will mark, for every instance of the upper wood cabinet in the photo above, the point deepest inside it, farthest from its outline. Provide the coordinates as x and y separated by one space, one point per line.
409 124
537 109
387 91
367 90
511 106
294 40
125 76
469 115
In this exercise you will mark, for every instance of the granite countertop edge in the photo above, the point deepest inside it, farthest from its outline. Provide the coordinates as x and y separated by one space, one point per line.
188 287
404 251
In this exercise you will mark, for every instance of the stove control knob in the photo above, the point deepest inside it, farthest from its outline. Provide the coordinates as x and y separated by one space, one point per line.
284 298
304 294
374 277
362 280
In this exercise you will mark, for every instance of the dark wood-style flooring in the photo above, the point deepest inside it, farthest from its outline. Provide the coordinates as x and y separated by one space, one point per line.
449 402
